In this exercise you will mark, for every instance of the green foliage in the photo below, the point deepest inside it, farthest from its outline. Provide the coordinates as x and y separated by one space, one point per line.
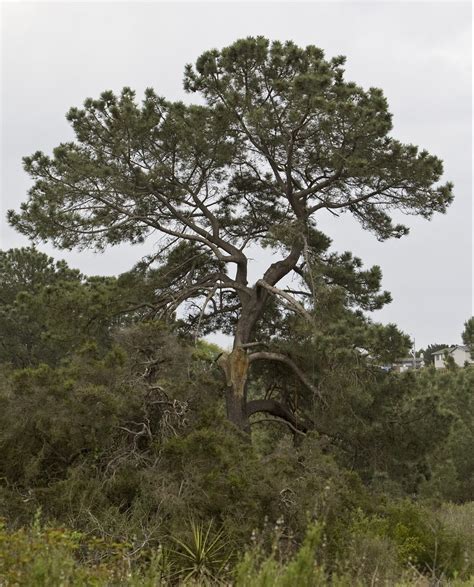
372 554
280 136
206 351
430 349
452 463
301 570
381 424
112 411
203 557
47 555
468 334
420 538
48 311
51 418
42 557
129 445
29 281
27 269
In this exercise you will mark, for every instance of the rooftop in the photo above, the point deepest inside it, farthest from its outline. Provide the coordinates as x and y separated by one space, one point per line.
450 349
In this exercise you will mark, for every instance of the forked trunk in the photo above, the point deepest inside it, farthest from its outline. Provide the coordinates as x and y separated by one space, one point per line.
236 364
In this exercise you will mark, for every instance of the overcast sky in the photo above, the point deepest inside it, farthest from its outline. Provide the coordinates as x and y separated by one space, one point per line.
54 55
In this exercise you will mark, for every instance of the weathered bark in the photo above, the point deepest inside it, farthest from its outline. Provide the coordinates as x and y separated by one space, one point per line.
236 366
236 410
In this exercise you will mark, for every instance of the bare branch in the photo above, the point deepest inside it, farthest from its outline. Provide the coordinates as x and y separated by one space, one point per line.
289 298
276 421
208 298
248 345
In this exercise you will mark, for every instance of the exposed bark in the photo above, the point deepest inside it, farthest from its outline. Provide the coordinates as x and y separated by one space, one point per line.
236 410
236 366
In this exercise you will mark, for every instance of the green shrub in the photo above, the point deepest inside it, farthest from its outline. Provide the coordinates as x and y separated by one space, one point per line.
420 538
302 570
50 557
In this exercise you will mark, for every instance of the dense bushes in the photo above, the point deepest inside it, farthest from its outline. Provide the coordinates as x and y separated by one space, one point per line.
125 447
117 440
452 463
44 556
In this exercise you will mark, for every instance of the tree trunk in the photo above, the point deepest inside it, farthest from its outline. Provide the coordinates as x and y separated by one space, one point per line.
236 367
236 410
236 364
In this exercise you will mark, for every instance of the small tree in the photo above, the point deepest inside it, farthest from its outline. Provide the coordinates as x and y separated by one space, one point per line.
428 356
468 335
281 137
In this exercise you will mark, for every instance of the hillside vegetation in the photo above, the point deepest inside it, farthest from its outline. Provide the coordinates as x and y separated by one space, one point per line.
119 465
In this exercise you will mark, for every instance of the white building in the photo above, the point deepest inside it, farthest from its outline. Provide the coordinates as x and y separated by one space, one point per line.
408 364
461 355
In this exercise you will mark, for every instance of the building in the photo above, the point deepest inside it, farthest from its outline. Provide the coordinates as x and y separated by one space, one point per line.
461 355
408 364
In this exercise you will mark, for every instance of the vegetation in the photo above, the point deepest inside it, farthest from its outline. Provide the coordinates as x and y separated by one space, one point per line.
122 453
468 334
281 138
136 453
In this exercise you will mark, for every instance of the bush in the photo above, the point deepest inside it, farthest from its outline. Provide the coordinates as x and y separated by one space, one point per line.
419 536
257 571
49 557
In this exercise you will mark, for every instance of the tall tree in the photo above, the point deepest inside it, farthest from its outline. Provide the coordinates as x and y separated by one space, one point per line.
281 138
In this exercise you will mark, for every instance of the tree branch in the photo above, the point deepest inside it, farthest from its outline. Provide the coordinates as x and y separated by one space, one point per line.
275 421
289 298
278 270
269 356
271 406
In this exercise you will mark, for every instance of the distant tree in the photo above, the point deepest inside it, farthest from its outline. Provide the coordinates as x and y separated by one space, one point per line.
453 461
468 335
28 270
48 309
24 275
430 349
281 138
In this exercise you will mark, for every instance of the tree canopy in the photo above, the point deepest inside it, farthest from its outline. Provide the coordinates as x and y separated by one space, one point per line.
280 136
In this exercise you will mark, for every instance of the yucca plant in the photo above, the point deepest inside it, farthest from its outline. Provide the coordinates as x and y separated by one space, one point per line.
204 556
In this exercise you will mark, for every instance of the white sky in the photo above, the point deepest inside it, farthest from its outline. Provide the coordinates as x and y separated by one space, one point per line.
54 55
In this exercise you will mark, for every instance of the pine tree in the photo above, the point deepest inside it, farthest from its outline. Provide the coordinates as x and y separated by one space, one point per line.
281 138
